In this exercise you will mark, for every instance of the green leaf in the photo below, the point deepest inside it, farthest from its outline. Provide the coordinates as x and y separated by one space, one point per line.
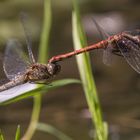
17 137
43 55
85 70
7 98
45 35
1 136
52 130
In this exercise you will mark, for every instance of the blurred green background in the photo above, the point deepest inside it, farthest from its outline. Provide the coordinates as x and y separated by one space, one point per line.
65 108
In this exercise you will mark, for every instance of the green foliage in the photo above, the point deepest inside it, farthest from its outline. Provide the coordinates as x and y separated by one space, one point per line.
84 66
83 61
52 130
17 137
45 36
43 55
1 136
38 90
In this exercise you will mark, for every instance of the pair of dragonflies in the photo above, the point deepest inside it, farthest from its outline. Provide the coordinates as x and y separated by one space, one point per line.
19 71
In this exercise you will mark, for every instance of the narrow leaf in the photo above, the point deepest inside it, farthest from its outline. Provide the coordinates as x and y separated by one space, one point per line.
7 98
86 75
52 130
1 136
17 137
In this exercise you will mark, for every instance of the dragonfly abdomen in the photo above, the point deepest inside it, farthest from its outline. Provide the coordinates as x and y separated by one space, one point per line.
12 83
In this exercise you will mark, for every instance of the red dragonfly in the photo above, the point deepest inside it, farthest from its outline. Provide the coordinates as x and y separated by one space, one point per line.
125 44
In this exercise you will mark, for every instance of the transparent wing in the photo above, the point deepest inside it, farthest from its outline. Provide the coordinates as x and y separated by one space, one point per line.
107 55
107 52
15 61
131 52
101 31
28 37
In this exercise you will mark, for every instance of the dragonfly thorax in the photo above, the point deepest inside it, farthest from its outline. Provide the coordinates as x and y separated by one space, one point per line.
42 72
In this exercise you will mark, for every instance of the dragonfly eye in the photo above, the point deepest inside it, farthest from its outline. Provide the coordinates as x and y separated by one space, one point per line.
125 45
53 68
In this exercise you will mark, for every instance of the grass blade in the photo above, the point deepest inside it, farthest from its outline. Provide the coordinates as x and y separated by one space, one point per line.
1 136
43 55
41 88
17 137
87 77
52 130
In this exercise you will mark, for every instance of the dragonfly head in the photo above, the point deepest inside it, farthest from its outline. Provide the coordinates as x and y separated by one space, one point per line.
53 68
42 72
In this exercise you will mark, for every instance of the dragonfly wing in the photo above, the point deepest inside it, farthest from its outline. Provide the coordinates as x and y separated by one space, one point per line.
107 52
101 31
107 55
131 52
15 61
28 37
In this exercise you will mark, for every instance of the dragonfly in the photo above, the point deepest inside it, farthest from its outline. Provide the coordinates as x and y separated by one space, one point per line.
125 44
21 69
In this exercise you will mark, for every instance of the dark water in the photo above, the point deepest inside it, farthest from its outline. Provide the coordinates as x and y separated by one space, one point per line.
65 108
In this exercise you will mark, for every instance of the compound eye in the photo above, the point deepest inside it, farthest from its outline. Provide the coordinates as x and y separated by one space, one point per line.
53 68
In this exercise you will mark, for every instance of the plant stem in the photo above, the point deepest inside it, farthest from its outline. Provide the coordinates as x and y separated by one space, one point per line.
34 119
43 51
87 77
45 36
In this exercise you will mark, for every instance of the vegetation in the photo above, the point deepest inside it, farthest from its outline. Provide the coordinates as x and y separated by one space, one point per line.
87 81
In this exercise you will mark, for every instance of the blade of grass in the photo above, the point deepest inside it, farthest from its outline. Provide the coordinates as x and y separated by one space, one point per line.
42 89
43 53
34 118
17 137
1 136
83 61
45 36
52 130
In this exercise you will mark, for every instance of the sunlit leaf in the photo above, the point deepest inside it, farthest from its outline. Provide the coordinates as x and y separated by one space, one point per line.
86 75
28 90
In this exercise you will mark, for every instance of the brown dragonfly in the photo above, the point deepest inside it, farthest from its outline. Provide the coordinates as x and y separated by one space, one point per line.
21 69
125 44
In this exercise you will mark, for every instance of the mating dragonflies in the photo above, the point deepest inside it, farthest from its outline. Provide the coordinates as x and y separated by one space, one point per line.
125 44
20 70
